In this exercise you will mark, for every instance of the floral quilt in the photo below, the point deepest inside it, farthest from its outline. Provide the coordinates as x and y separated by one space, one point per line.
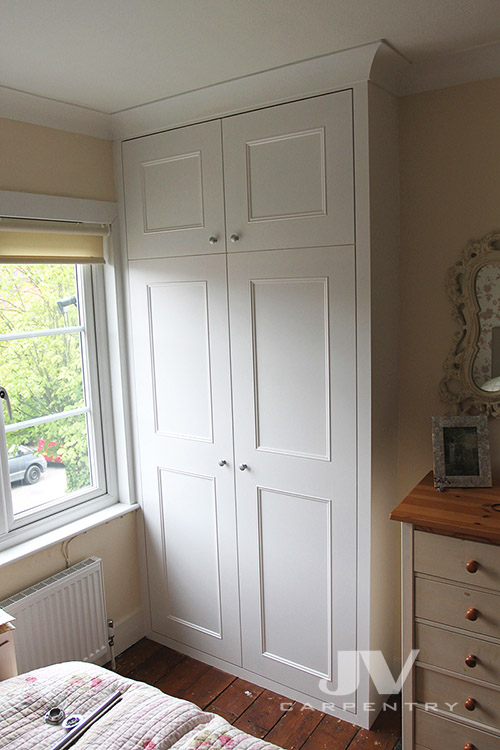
144 719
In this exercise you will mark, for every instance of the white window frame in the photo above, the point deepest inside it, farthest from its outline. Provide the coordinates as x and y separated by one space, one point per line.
107 292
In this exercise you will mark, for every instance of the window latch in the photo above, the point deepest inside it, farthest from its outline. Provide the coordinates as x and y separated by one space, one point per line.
5 396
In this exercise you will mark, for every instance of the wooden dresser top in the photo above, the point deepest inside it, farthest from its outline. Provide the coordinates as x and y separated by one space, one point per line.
464 513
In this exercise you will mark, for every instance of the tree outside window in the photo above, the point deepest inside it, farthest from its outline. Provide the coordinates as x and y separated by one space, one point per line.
42 365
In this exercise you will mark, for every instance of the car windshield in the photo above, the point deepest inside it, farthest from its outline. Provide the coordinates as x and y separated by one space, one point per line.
19 450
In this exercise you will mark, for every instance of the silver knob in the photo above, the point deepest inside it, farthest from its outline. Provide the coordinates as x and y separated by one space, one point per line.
242 467
234 237
212 240
222 462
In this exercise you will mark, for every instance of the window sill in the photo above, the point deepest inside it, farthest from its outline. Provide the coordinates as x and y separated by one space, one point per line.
68 530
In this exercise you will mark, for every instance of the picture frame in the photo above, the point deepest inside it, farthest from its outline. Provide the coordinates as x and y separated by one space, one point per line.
461 451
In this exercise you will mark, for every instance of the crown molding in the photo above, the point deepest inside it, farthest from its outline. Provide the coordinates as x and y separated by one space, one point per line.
377 62
310 77
38 110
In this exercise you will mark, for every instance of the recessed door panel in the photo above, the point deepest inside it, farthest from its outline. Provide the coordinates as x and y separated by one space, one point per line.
289 155
295 580
291 366
288 173
180 348
174 202
293 353
190 550
173 193
184 431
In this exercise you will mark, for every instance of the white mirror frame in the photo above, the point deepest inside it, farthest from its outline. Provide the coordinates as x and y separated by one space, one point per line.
457 388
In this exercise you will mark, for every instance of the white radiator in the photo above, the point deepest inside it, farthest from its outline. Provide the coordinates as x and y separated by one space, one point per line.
62 618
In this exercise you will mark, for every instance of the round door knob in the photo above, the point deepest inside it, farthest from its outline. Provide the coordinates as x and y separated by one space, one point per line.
222 462
472 614
471 660
472 566
234 237
469 746
212 240
242 467
470 704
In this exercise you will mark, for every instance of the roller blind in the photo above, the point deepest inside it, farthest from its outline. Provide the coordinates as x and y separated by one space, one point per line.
39 241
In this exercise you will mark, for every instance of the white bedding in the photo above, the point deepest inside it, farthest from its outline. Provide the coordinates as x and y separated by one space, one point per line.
145 718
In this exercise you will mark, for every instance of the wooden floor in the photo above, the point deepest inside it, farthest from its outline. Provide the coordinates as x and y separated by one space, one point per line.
251 708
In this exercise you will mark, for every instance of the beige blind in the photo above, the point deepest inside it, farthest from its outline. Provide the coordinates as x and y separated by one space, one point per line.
37 241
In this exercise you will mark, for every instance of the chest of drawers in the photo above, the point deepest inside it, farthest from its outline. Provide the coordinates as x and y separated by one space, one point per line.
451 615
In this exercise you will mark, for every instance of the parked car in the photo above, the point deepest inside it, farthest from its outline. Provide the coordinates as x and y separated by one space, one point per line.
25 464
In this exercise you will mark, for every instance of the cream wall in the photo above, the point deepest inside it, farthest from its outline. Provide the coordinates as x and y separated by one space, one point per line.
115 542
449 162
36 159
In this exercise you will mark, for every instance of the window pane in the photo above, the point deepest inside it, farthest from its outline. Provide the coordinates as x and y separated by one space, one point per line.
49 463
42 375
37 297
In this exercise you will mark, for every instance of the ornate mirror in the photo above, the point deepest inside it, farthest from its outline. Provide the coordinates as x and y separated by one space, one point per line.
472 369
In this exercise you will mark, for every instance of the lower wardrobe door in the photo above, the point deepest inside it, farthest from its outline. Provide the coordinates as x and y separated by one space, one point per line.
292 316
181 362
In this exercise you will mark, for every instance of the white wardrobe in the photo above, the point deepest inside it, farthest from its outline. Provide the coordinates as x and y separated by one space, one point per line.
254 316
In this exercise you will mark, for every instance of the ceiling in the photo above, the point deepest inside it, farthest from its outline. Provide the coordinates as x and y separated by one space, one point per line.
111 55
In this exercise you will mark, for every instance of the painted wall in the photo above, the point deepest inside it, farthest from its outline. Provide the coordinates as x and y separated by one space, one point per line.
43 160
36 159
449 158
115 542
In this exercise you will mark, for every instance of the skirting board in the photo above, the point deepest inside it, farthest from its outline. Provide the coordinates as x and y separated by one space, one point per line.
127 632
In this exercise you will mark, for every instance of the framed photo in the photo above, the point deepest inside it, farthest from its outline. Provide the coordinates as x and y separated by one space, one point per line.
461 452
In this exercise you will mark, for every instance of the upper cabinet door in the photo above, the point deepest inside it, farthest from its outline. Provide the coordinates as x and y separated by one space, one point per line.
174 194
289 175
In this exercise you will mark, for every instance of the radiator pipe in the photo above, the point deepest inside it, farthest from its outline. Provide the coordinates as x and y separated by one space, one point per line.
111 643
74 734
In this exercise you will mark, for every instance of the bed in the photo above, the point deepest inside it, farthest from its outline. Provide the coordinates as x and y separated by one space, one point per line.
144 718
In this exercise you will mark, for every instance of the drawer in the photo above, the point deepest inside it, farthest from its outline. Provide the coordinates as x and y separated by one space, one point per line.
442 648
432 687
437 733
448 604
447 557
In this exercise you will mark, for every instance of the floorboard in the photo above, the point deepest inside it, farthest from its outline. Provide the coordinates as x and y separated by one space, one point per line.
182 676
235 700
294 727
259 712
206 689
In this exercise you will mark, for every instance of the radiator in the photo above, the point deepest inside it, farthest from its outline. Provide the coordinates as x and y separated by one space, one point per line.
62 618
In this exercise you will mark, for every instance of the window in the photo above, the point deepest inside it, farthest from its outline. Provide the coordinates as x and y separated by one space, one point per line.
61 290
50 369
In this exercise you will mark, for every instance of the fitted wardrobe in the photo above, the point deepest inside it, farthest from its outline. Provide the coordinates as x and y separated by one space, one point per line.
262 272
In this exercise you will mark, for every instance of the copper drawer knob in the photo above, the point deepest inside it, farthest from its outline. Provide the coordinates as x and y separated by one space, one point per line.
472 566
472 614
470 704
471 660
469 746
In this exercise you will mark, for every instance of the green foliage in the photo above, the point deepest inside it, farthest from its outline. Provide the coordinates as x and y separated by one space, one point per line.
43 375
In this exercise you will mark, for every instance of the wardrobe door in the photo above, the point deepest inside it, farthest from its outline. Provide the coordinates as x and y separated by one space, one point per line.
173 192
182 385
292 317
288 174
